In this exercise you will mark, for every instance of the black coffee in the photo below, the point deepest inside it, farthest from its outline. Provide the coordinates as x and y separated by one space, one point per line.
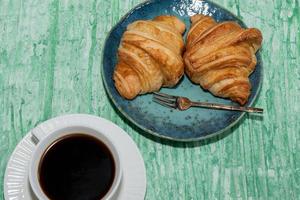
77 167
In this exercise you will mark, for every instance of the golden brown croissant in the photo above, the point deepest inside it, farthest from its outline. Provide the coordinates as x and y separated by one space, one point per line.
221 56
150 56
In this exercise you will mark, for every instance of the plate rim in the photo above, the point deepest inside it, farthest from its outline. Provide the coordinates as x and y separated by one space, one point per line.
154 133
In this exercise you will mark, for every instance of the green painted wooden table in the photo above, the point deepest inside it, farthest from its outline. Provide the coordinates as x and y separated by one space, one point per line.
50 57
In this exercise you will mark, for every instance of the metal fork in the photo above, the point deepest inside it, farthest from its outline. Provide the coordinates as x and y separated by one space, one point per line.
183 103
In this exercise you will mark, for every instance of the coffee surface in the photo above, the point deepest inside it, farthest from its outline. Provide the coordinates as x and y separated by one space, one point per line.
77 167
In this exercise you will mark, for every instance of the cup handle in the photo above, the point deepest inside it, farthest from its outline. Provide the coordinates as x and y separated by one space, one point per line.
37 134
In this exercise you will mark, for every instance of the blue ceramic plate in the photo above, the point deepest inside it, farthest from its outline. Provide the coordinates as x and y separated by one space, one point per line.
195 123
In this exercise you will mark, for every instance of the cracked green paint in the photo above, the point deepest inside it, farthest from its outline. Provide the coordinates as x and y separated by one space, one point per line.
50 52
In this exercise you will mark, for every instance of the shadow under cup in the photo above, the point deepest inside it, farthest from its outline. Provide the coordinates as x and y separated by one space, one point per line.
75 163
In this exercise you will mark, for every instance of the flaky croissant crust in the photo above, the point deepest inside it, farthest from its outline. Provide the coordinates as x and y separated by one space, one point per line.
150 56
221 56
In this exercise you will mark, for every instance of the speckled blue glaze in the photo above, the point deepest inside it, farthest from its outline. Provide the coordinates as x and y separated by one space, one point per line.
195 123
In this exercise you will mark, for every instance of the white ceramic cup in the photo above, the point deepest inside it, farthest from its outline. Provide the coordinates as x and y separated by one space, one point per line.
44 140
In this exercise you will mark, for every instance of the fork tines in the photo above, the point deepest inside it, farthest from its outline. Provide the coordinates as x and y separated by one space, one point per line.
165 99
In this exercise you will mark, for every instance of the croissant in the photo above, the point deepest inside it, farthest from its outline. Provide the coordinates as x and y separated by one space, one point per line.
221 56
150 56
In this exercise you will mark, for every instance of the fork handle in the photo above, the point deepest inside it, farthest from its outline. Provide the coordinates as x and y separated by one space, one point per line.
227 107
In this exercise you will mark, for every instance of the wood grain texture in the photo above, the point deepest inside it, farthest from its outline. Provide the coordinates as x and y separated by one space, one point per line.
50 57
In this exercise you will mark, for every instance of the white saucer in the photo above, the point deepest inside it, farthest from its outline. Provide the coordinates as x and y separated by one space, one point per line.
133 185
